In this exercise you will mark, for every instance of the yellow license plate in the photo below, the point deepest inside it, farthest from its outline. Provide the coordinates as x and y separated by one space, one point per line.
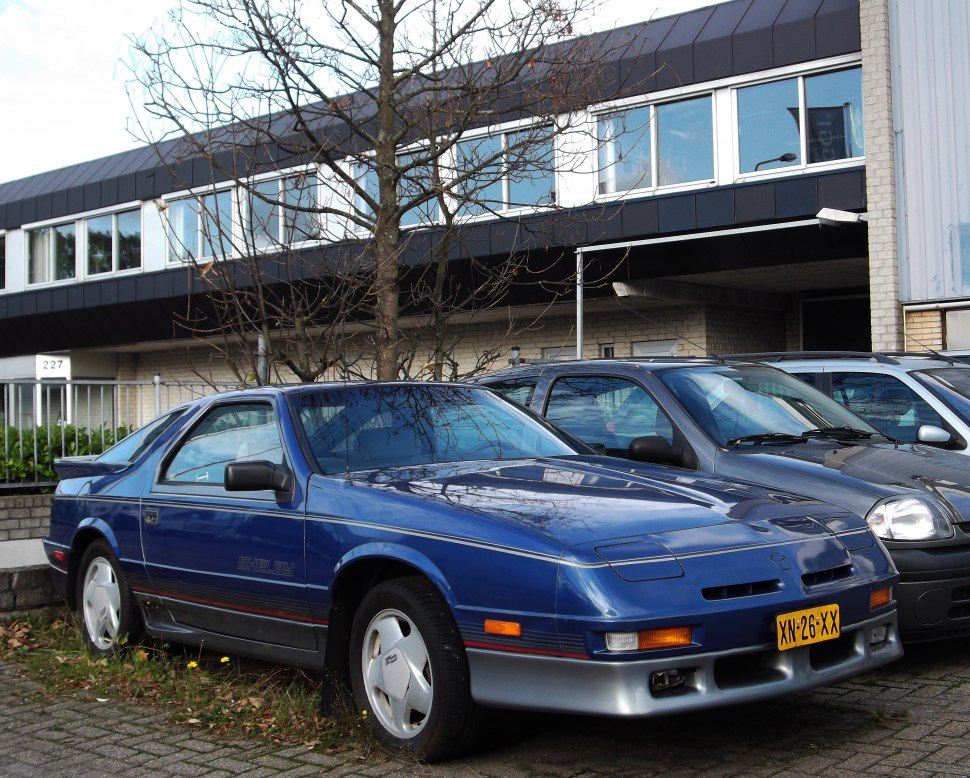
812 625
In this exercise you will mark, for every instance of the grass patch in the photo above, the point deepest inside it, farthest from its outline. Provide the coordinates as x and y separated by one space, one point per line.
202 690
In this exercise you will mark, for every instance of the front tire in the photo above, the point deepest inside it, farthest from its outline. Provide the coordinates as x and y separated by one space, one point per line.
409 672
105 603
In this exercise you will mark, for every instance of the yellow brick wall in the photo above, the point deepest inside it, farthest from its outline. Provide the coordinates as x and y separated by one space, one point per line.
924 330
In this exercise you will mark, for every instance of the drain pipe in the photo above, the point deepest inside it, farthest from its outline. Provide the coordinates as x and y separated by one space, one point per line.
579 303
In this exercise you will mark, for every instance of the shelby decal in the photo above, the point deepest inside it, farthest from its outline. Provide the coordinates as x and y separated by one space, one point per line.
252 565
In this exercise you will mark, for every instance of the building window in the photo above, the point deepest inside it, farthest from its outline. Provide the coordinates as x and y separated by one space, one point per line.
52 254
417 179
783 122
283 211
200 227
505 172
685 141
558 353
681 132
113 242
607 351
654 348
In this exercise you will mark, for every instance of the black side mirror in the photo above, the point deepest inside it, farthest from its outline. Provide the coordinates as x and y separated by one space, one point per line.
258 476
656 449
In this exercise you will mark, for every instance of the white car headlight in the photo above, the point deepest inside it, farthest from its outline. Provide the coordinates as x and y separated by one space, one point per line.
908 518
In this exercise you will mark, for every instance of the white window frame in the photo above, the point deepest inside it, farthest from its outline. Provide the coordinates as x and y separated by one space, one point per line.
199 194
244 197
115 212
725 117
803 165
50 225
653 131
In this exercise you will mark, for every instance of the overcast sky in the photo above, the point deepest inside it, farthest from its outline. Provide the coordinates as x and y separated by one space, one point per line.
62 81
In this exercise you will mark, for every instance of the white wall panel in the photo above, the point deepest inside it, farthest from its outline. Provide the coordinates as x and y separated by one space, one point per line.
931 95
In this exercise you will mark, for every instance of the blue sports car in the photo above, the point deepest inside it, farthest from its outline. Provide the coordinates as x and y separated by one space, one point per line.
440 549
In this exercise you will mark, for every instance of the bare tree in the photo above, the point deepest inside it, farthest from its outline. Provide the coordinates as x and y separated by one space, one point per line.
394 105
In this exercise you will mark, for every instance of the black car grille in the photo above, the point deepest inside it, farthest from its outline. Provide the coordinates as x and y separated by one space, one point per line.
732 591
822 577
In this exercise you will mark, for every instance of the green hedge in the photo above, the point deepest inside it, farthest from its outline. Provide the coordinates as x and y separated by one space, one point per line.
17 449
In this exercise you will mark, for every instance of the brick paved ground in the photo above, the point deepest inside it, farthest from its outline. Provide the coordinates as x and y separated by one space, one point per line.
911 719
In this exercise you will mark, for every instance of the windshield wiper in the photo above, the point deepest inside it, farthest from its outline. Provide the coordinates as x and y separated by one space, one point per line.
838 433
767 437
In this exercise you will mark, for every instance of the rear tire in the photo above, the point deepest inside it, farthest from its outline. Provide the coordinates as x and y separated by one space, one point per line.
409 672
104 602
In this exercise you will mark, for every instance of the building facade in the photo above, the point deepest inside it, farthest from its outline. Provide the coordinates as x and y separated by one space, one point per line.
691 206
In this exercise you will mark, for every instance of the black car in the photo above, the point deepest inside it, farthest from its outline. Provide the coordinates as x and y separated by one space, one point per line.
747 421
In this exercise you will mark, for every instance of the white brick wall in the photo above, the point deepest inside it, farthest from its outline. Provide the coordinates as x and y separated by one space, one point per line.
886 311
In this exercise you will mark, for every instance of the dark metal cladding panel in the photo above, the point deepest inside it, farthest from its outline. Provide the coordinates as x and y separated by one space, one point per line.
837 28
677 213
752 48
202 173
844 191
59 298
182 175
92 196
638 64
796 198
604 223
75 199
754 203
419 247
43 301
794 32
126 188
145 289
675 57
15 214
145 184
503 237
42 208
109 191
59 204
109 292
92 294
3 217
713 50
640 217
163 182
715 208
28 209
75 298
568 231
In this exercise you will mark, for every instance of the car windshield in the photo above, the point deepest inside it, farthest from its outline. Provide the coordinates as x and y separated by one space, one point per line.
737 405
367 427
950 384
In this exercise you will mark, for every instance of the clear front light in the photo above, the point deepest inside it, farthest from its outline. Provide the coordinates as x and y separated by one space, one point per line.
908 518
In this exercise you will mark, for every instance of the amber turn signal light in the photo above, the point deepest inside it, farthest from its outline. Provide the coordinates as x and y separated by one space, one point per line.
880 597
510 629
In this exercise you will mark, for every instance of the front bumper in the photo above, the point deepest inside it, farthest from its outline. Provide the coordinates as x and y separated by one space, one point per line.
933 593
530 682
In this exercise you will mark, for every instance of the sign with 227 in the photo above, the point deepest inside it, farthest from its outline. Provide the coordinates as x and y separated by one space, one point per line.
812 625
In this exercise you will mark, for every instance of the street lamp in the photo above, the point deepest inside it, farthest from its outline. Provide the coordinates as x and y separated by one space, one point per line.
833 217
786 157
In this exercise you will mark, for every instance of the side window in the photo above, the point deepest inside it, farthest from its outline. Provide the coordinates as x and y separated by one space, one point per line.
518 390
229 433
885 402
606 410
812 379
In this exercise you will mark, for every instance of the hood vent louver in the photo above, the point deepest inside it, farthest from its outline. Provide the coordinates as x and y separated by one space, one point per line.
734 591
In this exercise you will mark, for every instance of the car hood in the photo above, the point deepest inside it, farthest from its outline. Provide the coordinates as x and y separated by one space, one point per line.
583 500
881 470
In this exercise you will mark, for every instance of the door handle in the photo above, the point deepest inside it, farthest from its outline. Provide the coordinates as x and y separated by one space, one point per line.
151 516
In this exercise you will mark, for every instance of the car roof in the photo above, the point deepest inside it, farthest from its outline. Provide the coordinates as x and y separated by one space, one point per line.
885 361
632 364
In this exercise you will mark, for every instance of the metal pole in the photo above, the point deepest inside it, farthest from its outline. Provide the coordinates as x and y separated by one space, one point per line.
579 303
262 360
157 381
